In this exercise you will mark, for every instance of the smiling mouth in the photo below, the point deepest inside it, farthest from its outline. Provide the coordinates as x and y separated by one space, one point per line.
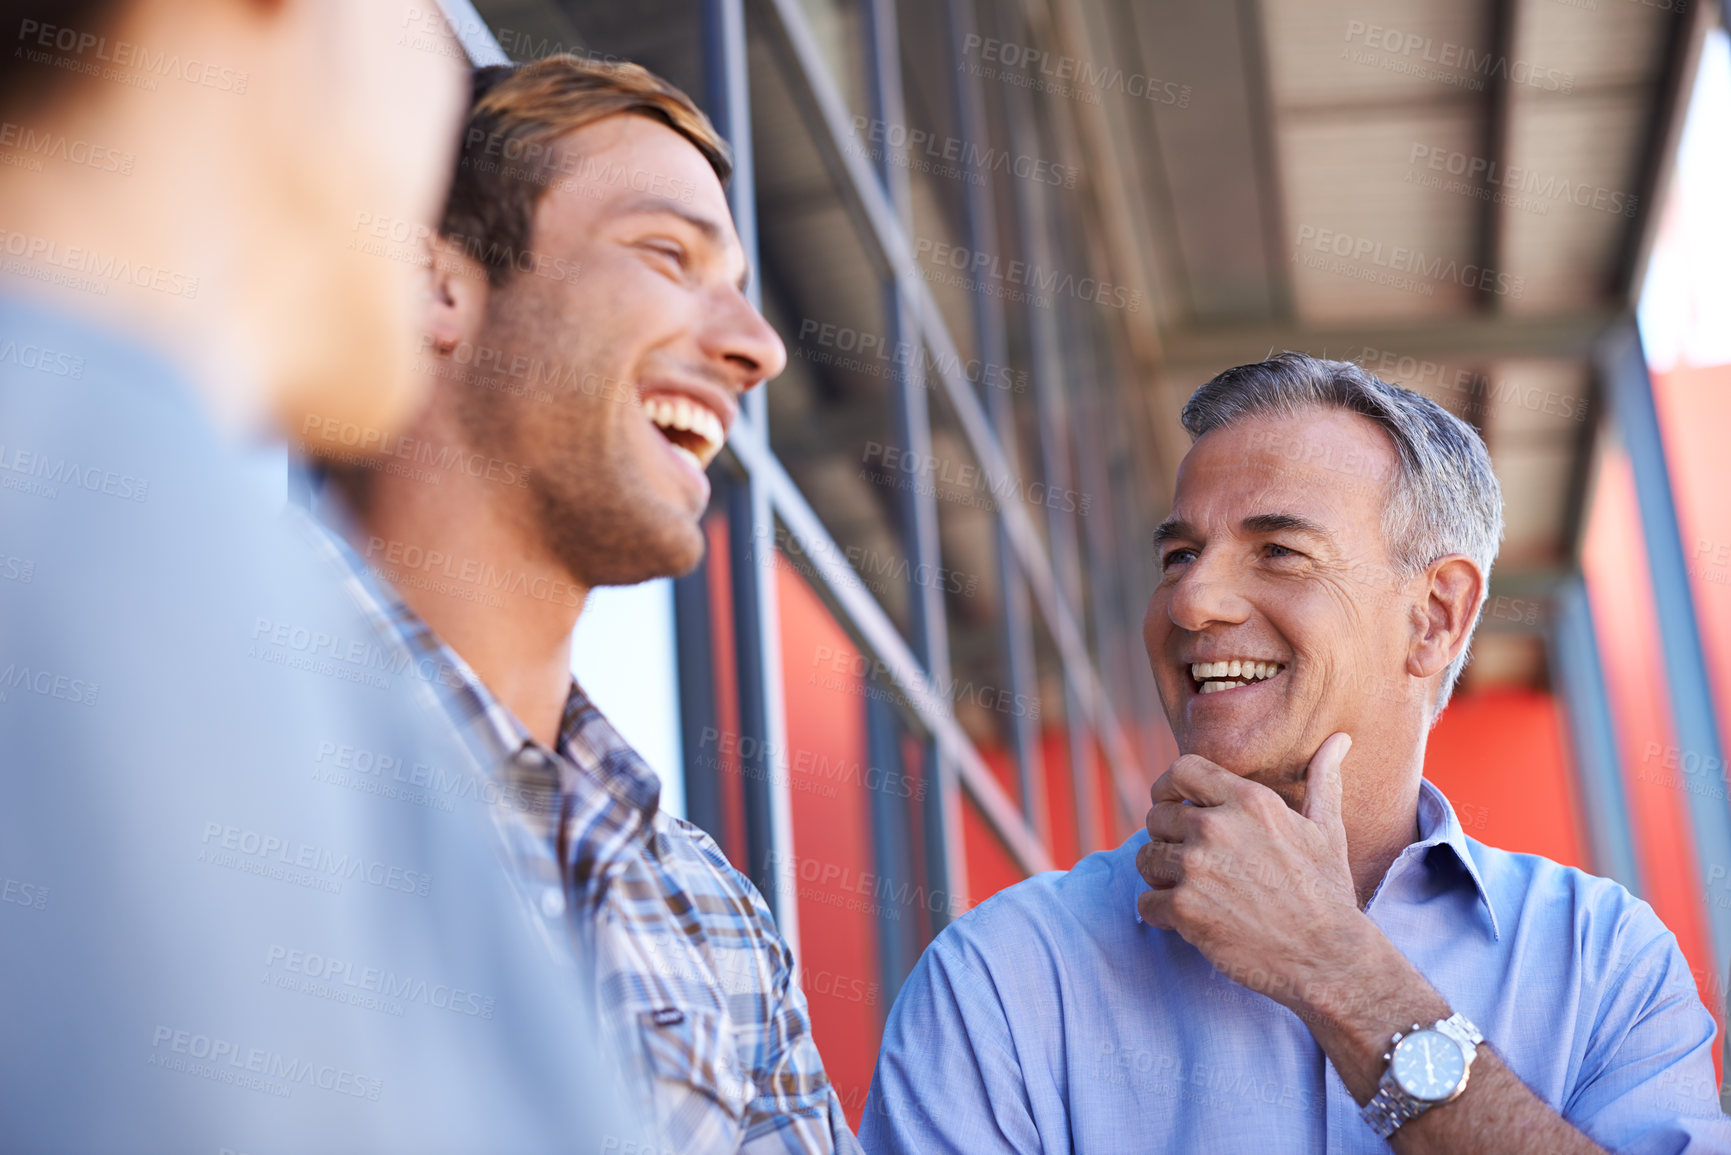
1213 677
690 427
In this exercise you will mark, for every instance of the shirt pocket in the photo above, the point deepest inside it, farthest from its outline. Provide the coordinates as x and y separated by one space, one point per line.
700 1089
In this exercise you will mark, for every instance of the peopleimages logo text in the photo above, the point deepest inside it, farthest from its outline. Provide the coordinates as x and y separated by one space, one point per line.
1400 259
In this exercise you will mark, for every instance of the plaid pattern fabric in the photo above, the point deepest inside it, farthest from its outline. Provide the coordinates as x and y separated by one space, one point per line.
693 982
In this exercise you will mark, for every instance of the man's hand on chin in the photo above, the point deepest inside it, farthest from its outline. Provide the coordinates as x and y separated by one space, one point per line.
1258 888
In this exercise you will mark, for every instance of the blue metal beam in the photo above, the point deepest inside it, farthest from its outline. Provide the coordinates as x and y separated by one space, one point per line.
751 521
1693 722
1576 667
991 338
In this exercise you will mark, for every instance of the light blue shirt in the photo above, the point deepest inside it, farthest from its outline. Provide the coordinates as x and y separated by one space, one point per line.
251 898
1051 1018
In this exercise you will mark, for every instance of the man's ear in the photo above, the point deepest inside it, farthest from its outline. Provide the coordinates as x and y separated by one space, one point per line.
456 302
1455 588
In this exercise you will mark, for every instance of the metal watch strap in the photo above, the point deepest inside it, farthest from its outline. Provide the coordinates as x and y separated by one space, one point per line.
1460 1028
1390 1106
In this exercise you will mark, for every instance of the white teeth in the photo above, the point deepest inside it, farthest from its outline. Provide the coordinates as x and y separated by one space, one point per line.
696 463
687 416
1208 673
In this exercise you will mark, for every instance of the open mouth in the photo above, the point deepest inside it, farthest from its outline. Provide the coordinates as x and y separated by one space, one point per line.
693 429
1213 677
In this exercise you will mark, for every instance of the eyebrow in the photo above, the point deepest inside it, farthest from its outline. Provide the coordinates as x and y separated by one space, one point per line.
1267 523
1173 527
1260 524
661 206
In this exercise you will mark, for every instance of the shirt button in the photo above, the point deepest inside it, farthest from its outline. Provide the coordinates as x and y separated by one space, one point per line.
552 902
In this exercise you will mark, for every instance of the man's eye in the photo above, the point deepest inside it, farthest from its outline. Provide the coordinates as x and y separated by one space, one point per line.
672 252
1175 556
1275 549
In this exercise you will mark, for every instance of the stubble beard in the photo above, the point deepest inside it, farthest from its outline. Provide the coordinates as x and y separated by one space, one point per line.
604 532
586 506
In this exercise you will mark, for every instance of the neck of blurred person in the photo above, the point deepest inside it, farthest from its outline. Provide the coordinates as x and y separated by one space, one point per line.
218 237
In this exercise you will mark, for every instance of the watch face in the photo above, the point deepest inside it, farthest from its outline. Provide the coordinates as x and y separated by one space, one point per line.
1428 1065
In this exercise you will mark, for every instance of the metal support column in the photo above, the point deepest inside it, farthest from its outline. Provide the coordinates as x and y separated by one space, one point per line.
1575 664
912 416
1046 344
899 942
993 344
698 726
757 623
1686 673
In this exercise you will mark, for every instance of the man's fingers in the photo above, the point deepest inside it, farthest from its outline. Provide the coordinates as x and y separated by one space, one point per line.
1168 821
1322 780
1193 778
1157 865
1155 908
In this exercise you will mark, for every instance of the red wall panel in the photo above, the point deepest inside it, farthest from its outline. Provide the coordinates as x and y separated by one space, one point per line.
1500 758
1695 419
1614 560
839 895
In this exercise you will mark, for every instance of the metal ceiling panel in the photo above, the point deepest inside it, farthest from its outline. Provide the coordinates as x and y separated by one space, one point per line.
1330 52
1569 194
1204 138
1364 243
1610 43
1535 481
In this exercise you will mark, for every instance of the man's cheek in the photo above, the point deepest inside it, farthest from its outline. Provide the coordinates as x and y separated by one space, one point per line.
1153 635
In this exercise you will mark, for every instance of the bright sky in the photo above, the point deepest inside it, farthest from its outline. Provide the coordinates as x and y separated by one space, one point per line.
1686 302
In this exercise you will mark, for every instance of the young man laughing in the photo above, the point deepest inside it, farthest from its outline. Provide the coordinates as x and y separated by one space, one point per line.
590 339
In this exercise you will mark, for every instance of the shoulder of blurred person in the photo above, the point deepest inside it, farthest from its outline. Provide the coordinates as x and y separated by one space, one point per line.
252 896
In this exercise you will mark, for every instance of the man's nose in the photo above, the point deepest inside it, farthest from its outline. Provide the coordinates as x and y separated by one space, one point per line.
743 342
1205 595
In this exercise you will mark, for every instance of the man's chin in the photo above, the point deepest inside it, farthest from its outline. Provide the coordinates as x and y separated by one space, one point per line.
1236 752
673 551
687 560
1219 744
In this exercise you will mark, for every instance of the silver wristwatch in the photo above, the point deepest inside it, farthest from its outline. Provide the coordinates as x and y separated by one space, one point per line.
1426 1066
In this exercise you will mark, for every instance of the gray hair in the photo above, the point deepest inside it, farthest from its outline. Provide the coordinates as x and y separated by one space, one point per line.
1445 497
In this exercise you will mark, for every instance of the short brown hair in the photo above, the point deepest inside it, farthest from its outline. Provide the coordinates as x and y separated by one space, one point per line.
511 151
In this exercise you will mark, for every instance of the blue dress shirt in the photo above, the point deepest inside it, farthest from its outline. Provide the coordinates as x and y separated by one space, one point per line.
1051 1018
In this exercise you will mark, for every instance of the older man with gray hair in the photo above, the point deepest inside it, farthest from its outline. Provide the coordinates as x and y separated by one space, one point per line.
1304 951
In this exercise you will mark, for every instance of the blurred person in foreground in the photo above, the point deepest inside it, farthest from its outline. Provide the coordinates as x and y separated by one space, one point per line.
1303 951
219 933
589 340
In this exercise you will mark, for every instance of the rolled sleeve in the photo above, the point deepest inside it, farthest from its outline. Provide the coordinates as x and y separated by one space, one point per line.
796 1109
1647 1083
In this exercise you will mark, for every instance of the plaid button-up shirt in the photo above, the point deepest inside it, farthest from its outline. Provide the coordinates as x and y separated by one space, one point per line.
692 979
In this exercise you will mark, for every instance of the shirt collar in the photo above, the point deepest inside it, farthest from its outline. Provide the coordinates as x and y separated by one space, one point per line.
1438 826
590 742
587 739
